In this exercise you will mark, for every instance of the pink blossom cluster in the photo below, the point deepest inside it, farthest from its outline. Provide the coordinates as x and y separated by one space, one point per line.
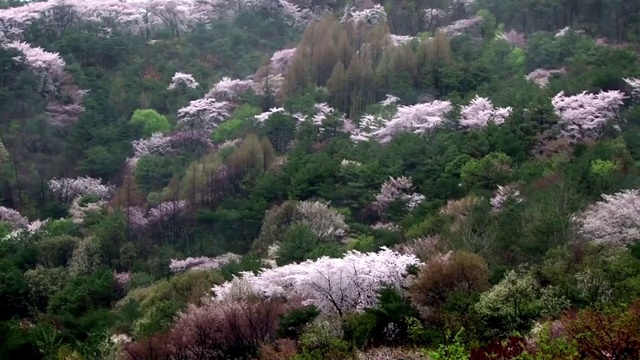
334 285
157 144
513 38
52 81
503 194
181 79
542 76
229 89
13 218
40 61
281 60
635 87
122 279
419 118
136 217
563 32
397 189
204 114
67 189
202 263
584 115
167 210
368 17
613 220
480 112
462 26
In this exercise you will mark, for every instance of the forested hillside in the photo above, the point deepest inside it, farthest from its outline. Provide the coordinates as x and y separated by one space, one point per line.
319 179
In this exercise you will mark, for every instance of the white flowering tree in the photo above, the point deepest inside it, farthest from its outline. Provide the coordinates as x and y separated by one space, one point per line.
67 189
229 89
480 112
334 285
583 116
635 87
614 220
397 189
541 76
181 79
204 114
202 263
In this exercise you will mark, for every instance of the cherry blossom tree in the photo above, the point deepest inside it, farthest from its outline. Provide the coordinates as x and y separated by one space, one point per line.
181 79
202 263
204 114
419 118
367 17
167 210
229 89
480 112
334 285
585 115
635 87
397 189
614 220
47 66
13 218
281 60
463 26
542 76
67 189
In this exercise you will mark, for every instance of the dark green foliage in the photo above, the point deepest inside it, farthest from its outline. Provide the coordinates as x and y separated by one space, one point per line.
292 323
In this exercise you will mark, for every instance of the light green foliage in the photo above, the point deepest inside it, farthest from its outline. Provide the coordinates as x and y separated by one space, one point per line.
44 283
150 122
452 351
236 125
511 297
57 251
153 173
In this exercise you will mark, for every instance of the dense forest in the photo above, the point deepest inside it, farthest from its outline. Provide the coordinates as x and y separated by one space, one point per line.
319 179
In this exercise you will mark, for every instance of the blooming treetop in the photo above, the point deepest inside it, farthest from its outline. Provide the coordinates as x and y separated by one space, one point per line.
13 218
399 40
461 26
635 87
541 76
167 210
229 89
584 115
157 144
202 263
368 17
281 60
419 118
40 61
66 189
334 285
614 220
397 189
480 112
204 114
182 79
